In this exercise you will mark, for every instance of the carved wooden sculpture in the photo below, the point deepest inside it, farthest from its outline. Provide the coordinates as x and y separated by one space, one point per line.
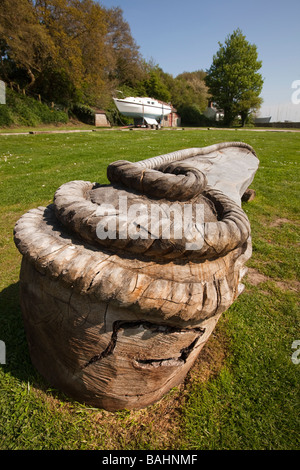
117 306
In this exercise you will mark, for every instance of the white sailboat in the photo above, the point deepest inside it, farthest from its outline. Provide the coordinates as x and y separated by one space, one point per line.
143 109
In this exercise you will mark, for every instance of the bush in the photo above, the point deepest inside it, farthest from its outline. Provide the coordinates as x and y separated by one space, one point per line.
83 113
25 111
192 116
6 118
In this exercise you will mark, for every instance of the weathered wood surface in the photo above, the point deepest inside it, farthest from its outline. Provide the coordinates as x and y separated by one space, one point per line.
117 323
229 166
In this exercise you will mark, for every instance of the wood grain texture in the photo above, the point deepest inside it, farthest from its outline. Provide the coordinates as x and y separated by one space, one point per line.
116 323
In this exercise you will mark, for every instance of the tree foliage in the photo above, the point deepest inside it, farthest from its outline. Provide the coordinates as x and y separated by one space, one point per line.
79 52
194 89
67 50
25 43
125 64
77 29
233 79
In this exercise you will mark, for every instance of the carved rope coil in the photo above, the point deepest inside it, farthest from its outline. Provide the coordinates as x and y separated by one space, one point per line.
179 182
88 296
167 176
192 285
80 215
189 292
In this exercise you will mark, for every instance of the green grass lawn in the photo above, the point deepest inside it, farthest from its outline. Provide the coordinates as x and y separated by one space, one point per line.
243 391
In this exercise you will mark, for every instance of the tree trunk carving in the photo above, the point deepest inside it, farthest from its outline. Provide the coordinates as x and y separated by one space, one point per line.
115 311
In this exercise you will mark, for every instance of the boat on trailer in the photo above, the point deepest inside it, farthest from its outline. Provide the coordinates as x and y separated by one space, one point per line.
145 111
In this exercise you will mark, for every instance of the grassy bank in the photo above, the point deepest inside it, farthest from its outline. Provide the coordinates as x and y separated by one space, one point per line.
243 391
22 110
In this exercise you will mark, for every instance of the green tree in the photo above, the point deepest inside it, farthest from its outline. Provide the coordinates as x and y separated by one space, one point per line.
249 103
67 50
77 29
233 79
195 91
25 44
124 65
156 88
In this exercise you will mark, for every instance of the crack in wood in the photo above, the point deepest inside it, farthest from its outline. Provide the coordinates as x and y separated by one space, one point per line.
155 328
105 315
171 361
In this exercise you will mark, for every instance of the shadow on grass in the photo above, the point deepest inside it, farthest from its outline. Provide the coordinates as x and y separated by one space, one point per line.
18 361
12 333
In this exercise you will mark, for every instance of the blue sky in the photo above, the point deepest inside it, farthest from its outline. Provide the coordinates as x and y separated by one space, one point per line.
183 35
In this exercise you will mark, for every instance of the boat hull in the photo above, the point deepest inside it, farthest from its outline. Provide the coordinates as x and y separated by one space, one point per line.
142 110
